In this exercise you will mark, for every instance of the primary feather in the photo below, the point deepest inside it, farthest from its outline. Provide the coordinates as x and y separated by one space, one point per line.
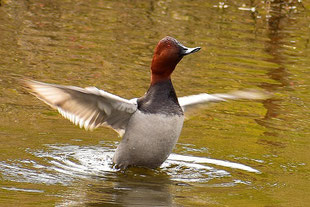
86 107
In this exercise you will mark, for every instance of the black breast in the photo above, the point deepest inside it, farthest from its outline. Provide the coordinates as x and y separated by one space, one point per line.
160 98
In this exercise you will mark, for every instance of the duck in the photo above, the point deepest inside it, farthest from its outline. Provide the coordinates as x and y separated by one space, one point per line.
149 126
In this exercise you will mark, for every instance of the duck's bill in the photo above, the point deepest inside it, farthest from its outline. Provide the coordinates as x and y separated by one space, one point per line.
187 50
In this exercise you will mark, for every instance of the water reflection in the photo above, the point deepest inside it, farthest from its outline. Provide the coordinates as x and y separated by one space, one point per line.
93 180
135 188
278 25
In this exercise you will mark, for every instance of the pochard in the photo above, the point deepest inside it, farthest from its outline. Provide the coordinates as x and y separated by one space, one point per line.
150 125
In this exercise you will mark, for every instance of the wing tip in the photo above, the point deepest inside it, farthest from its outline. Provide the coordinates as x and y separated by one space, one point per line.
252 94
26 83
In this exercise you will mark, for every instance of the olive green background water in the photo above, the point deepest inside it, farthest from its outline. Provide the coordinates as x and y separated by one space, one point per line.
47 161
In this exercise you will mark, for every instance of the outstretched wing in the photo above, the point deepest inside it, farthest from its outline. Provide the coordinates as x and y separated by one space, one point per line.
86 107
194 101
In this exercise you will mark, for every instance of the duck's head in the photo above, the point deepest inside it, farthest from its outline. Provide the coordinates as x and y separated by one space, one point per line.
167 55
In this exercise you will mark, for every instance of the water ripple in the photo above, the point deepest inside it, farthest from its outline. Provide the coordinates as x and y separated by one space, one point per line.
65 163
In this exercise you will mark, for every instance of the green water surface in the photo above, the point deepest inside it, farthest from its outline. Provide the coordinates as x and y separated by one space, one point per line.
47 161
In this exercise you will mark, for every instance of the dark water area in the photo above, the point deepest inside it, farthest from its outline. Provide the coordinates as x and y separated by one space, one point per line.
238 153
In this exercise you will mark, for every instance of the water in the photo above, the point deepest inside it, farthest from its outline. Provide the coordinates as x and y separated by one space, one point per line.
229 154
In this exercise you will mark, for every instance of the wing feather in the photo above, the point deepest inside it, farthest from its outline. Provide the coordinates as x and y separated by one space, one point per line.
188 103
86 107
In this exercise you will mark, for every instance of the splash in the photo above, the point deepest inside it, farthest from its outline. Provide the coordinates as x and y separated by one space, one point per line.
62 164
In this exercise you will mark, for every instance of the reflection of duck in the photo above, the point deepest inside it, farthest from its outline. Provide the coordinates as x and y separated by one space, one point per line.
138 187
150 125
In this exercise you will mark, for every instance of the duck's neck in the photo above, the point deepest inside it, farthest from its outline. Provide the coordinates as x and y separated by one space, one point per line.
161 70
160 98
156 78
